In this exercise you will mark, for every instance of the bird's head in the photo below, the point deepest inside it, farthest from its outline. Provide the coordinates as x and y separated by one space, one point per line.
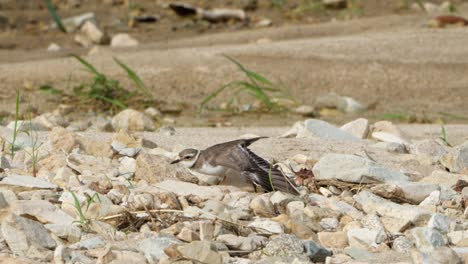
187 157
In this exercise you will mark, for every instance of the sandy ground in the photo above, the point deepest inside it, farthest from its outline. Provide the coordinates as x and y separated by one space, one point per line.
391 61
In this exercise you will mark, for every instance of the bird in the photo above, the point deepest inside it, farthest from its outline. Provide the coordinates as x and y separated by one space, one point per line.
236 156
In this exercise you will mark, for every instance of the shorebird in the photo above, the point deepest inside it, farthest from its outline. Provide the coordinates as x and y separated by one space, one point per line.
236 156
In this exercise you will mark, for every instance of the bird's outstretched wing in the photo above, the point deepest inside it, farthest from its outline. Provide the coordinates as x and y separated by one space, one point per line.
237 156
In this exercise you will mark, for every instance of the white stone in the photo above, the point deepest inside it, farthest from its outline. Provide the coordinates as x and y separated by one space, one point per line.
444 178
364 235
185 189
132 120
322 129
329 224
387 137
267 225
44 211
91 31
351 168
53 47
372 203
22 181
459 238
123 40
127 167
358 127
426 239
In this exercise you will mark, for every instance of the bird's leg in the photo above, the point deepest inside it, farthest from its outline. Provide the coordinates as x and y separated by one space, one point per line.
255 187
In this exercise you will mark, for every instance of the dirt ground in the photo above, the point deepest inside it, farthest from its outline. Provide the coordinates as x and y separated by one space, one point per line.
383 57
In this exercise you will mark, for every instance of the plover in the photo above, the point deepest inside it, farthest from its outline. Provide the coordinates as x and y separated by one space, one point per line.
235 155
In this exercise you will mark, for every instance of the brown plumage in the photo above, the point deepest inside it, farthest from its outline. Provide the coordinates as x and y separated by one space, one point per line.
236 155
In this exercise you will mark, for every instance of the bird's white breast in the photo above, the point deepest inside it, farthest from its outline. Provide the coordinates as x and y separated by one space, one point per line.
212 170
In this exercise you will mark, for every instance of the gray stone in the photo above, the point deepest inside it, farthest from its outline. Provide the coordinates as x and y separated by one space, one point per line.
200 251
68 232
351 168
444 178
322 129
441 255
91 166
261 206
457 159
22 182
238 242
459 238
153 247
154 169
22 140
358 128
402 244
73 23
90 243
439 222
127 167
371 203
316 252
426 239
387 137
329 224
369 237
358 253
430 147
44 211
284 245
51 120
26 237
338 206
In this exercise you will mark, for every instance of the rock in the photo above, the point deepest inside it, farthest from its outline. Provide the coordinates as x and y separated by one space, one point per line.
268 23
4 163
335 4
121 256
132 121
430 147
335 206
316 252
125 144
68 232
186 189
22 140
333 239
42 210
27 238
154 169
266 225
221 14
426 239
200 251
374 204
237 242
387 137
186 234
90 243
206 231
459 238
51 120
440 255
369 237
457 159
91 31
153 247
358 128
322 129
167 130
444 178
342 103
261 206
73 23
284 245
91 166
414 192
22 182
127 167
351 168
123 40
62 139
387 127
53 47
26 125
395 225
440 223
305 110
329 224
402 244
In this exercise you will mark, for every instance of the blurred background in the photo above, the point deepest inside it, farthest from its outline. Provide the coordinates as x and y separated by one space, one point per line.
234 63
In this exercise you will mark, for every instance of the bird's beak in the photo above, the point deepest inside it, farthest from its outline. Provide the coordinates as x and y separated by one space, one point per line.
175 161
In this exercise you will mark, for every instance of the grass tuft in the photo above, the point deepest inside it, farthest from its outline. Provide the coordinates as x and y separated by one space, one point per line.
83 221
55 16
257 86
15 129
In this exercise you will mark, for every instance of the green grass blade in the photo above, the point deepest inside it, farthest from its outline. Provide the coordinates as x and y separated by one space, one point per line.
88 65
77 206
134 77
215 93
55 16
110 100
15 129
253 76
259 94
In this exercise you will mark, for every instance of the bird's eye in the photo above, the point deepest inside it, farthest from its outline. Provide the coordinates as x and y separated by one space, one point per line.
186 157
